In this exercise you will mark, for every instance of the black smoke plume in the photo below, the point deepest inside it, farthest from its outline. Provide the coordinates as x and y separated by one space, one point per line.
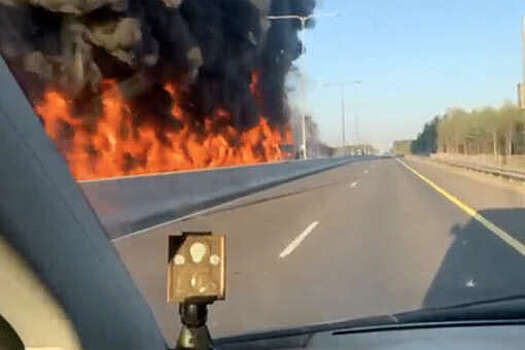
211 47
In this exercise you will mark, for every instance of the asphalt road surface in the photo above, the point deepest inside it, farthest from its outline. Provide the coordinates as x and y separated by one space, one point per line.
369 238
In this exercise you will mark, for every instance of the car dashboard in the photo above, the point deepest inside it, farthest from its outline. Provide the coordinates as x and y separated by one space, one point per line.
471 336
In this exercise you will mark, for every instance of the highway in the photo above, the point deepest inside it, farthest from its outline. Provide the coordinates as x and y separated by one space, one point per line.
369 238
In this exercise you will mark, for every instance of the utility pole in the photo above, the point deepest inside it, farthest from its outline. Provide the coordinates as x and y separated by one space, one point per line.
342 85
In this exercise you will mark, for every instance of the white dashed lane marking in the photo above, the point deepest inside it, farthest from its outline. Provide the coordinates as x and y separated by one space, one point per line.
297 241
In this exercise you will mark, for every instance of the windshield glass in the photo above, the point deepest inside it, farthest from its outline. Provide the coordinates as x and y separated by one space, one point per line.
361 157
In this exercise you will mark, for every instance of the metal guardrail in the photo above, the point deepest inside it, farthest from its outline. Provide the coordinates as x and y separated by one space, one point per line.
496 171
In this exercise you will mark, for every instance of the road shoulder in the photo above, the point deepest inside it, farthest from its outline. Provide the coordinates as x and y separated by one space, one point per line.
481 178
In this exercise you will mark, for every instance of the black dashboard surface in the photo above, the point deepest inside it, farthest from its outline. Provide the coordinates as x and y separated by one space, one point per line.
452 337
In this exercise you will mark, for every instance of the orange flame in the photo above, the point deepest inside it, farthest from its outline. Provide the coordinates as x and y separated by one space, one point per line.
113 145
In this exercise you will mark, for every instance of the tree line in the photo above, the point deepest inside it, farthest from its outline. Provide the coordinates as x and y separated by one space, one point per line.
497 131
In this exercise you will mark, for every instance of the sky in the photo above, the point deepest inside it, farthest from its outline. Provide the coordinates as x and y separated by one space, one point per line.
415 58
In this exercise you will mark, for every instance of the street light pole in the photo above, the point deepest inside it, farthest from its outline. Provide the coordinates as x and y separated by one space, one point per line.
303 144
304 153
343 121
521 86
303 20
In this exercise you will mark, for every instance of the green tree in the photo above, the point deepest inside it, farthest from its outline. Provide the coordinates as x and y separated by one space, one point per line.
488 130
510 123
426 141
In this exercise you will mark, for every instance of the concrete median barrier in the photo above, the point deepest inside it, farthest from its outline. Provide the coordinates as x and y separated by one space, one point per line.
129 204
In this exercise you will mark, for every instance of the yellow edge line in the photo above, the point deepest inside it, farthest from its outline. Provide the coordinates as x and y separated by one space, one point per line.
511 241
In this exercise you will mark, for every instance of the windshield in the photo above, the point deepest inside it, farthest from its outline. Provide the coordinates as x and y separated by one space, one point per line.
362 157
